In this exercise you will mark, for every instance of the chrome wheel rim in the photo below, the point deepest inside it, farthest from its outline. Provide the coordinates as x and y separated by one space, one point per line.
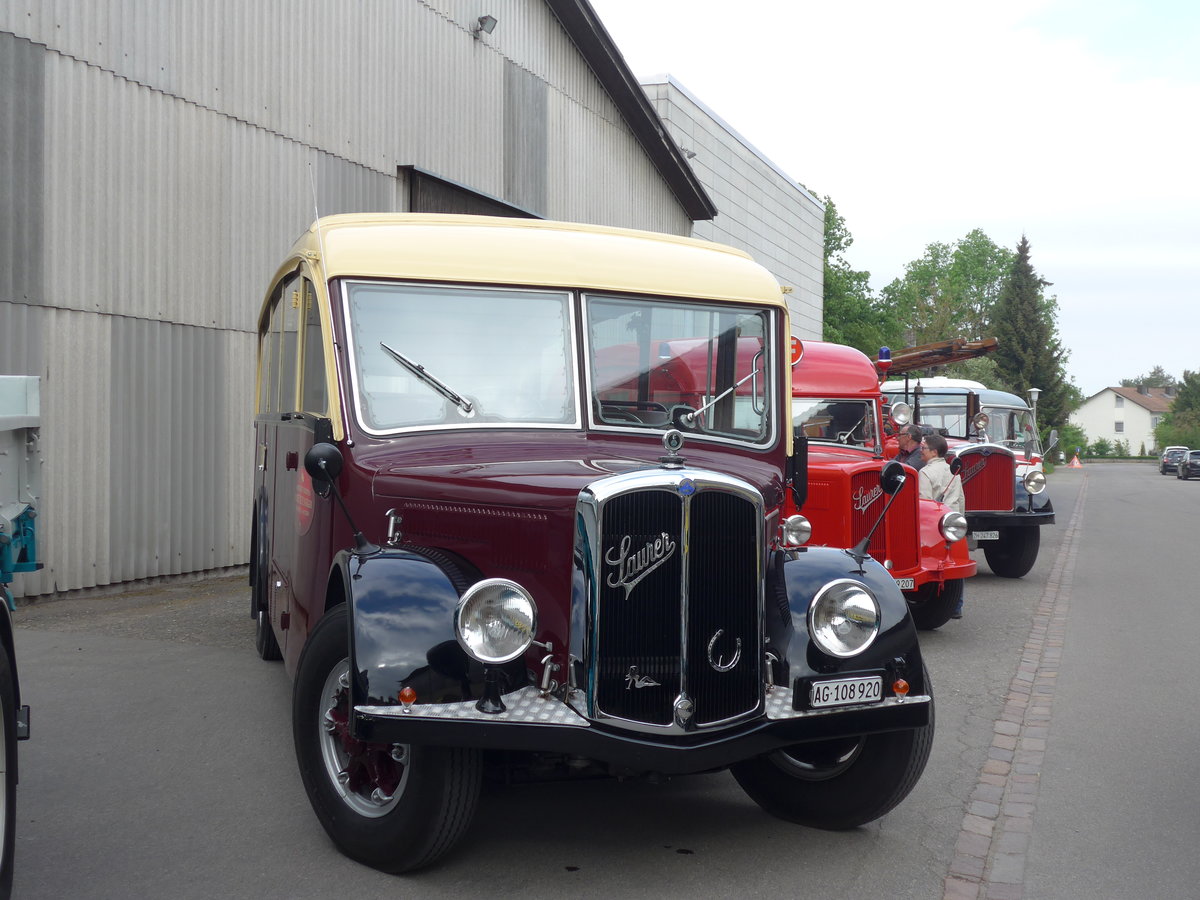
370 778
818 762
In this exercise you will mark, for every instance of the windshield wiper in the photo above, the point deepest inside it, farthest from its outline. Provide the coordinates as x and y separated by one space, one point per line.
689 418
438 385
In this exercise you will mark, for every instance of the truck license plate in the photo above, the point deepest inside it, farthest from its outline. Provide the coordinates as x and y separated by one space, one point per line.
846 691
986 535
905 584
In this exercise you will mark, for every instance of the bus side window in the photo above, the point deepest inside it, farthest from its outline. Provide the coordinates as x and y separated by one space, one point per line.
313 395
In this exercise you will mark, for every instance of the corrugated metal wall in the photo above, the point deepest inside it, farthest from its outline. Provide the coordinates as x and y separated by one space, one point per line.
761 209
156 165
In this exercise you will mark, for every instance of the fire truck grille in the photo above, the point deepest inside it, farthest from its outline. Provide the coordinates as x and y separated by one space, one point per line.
989 479
903 529
678 614
867 500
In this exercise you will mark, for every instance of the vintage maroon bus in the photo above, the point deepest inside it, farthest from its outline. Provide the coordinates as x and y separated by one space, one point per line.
496 533
836 403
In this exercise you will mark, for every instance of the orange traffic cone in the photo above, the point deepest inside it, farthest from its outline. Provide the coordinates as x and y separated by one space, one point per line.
1075 463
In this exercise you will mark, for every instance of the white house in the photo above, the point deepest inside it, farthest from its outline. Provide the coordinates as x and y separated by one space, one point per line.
1128 414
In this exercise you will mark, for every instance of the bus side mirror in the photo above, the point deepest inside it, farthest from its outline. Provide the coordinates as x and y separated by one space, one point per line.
323 462
799 469
1053 441
892 478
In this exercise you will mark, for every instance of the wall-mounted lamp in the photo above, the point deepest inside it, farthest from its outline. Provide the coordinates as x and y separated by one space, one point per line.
484 25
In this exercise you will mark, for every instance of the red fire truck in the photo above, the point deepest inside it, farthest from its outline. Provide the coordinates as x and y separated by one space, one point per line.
836 405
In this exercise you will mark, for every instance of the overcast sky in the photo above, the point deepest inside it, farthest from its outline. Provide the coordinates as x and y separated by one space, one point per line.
1073 122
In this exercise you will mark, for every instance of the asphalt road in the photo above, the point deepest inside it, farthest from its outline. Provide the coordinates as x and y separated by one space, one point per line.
161 762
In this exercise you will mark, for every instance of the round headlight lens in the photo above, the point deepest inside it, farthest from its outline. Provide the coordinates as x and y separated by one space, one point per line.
796 531
496 620
844 618
901 413
980 422
953 526
1035 481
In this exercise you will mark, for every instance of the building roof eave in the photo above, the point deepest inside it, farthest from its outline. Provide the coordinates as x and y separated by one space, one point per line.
600 52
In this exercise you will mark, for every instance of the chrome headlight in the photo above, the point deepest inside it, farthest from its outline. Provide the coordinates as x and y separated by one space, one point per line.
901 413
980 422
953 526
496 620
1035 481
844 618
796 531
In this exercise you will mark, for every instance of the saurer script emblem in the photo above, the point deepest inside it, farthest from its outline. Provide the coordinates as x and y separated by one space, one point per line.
969 473
631 568
863 498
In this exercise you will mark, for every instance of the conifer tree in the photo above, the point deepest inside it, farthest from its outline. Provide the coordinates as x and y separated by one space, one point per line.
1029 353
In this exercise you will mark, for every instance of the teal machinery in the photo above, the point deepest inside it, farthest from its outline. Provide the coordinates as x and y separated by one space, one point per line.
20 477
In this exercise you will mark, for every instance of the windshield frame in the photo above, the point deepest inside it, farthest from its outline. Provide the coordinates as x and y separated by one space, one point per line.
770 384
341 295
872 419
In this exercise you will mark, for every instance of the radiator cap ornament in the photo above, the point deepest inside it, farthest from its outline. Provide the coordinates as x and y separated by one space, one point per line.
672 442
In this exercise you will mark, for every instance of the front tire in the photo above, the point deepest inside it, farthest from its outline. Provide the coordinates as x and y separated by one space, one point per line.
932 604
394 807
1014 554
840 784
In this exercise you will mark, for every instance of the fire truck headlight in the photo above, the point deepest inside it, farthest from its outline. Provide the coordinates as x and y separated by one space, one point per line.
844 618
496 620
953 526
1035 481
796 531
901 413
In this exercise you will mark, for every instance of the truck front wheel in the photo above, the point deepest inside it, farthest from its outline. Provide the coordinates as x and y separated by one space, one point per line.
932 604
394 807
839 784
1014 554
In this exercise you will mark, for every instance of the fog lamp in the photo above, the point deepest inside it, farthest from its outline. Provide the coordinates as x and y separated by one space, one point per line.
953 526
496 620
844 618
796 531
1035 481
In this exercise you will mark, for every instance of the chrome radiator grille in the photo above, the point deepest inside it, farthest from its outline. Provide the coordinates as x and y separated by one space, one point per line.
675 604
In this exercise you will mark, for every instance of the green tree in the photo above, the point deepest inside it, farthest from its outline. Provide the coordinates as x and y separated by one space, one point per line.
1158 377
852 315
1029 352
951 291
1181 426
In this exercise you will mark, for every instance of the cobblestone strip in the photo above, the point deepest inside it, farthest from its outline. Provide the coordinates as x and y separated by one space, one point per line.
989 856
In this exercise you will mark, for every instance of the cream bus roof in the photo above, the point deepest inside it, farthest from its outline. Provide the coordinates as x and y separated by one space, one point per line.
494 250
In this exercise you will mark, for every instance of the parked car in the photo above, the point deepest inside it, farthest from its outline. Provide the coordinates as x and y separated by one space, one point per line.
1188 465
1170 460
519 514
